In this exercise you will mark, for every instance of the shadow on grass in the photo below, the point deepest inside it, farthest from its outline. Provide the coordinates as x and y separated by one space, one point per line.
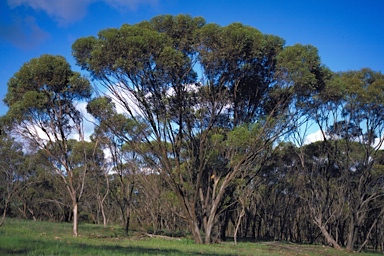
5 252
38 247
143 250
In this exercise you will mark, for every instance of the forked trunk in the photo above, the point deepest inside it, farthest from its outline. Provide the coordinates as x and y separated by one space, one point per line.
216 199
211 220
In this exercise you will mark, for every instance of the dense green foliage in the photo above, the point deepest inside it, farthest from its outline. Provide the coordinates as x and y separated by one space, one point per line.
41 99
200 131
180 81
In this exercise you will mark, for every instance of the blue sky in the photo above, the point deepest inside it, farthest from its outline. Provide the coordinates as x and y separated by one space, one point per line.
348 34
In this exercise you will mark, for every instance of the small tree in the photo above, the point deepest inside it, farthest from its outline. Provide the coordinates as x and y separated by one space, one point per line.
41 99
343 172
12 172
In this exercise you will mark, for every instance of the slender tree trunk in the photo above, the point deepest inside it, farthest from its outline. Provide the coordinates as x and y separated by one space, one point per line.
24 210
5 211
9 194
238 224
224 225
102 202
128 206
32 213
104 217
75 217
367 236
101 209
128 219
3 216
352 233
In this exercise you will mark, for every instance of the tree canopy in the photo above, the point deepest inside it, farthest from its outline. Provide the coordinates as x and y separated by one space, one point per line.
199 128
188 79
42 98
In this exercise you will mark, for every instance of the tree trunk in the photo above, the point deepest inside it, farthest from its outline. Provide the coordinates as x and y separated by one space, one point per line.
3 217
329 238
216 199
195 232
75 217
102 202
127 220
104 217
211 221
238 224
5 211
32 213
208 231
367 236
352 233
224 225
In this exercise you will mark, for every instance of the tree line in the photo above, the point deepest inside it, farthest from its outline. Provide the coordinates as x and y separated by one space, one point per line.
199 129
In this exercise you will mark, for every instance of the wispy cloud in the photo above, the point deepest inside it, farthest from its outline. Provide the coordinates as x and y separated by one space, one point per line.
23 32
63 11
131 4
66 12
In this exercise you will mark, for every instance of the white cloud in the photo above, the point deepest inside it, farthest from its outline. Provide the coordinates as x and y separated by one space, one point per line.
378 143
126 98
88 121
313 137
318 136
38 134
68 11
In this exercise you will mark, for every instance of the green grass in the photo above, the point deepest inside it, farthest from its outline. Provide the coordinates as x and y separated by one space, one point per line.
20 237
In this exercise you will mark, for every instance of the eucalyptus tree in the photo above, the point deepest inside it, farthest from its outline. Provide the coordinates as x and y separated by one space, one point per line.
182 80
46 198
89 155
341 170
13 172
42 98
323 192
363 100
110 131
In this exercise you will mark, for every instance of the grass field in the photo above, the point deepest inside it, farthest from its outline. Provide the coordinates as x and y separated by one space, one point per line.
20 237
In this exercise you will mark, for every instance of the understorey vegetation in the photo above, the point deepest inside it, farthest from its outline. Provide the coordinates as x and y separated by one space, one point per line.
199 131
